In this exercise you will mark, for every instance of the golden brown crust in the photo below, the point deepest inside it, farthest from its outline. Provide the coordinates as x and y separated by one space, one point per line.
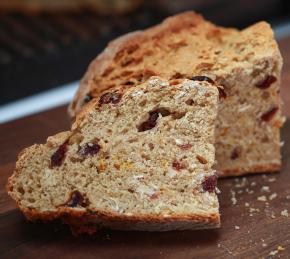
88 221
103 62
267 168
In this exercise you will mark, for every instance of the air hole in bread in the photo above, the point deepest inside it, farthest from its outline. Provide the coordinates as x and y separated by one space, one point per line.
20 190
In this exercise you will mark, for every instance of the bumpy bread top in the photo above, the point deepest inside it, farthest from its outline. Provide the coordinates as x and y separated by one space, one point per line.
144 152
182 46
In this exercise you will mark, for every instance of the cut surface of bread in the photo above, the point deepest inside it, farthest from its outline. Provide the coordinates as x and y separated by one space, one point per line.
246 63
137 159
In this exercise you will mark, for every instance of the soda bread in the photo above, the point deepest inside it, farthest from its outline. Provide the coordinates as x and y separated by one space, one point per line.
246 63
136 158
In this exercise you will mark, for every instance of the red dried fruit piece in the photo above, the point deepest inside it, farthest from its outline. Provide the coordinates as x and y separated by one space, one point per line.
209 184
222 93
236 153
111 97
76 198
267 116
189 102
185 146
59 155
202 78
89 149
178 166
267 82
154 195
150 123
201 159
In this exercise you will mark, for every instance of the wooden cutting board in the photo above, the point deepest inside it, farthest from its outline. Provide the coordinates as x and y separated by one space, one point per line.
254 209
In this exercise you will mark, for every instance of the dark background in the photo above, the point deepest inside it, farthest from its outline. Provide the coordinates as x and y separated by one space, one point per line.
42 51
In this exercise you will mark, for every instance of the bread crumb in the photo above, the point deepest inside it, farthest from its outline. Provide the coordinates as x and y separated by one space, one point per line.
273 216
274 252
253 183
280 248
284 213
273 196
237 227
242 184
262 198
247 204
233 198
253 210
273 179
265 189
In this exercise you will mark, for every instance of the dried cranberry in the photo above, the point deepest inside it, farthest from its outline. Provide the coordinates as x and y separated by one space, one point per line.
236 153
178 166
111 97
267 82
209 183
150 123
76 199
267 116
202 78
88 98
59 155
185 146
222 93
89 149
189 102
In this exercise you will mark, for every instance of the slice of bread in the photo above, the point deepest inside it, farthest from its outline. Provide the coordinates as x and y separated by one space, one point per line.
246 63
136 159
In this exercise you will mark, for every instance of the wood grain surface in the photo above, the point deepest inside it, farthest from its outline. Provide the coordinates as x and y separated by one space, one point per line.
251 227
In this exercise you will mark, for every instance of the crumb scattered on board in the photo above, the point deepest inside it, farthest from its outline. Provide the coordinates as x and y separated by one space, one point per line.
262 198
279 249
284 213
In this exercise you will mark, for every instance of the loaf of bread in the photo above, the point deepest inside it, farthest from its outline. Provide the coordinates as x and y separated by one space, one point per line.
246 63
136 158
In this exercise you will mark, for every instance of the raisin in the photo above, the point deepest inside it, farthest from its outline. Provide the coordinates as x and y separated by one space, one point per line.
267 82
76 198
209 184
189 102
111 97
59 155
267 116
178 166
88 98
202 78
89 149
185 146
201 159
150 123
222 93
236 153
